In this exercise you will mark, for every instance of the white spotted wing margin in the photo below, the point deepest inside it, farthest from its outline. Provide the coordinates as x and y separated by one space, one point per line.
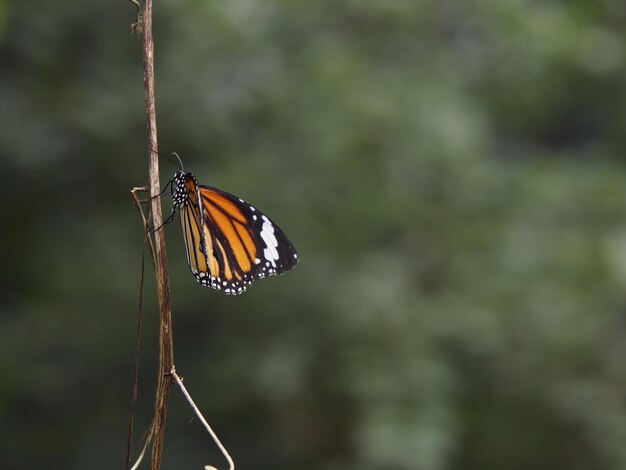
273 254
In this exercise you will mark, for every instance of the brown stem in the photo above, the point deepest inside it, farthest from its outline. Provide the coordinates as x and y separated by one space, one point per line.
166 348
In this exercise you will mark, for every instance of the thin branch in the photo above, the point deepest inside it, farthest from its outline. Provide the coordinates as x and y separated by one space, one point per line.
133 398
143 450
147 239
206 425
166 347
159 257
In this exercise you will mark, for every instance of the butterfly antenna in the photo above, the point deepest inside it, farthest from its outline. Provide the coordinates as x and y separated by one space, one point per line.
179 164
174 154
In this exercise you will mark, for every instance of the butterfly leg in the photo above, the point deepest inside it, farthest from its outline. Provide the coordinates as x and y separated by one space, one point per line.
166 221
169 183
146 190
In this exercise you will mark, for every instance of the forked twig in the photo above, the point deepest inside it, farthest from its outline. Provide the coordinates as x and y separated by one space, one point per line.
219 444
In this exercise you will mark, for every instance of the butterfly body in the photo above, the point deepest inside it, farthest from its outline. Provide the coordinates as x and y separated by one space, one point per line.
229 243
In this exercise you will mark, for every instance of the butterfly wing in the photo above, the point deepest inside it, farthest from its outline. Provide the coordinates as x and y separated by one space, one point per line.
230 243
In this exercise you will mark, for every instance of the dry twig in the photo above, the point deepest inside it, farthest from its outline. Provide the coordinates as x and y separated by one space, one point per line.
159 257
231 464
133 401
166 349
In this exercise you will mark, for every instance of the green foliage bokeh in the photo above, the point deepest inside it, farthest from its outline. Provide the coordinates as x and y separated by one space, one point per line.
452 174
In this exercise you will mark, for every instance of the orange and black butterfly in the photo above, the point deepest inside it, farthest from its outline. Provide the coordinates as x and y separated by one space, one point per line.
229 243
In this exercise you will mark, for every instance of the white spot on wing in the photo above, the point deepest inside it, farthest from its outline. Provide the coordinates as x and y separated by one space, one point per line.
267 234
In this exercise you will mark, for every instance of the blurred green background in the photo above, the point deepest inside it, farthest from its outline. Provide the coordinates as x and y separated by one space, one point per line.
452 173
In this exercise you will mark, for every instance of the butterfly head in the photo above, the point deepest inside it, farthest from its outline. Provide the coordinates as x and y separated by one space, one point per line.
180 193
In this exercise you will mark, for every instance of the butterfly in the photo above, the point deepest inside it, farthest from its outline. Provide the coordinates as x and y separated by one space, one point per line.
229 243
